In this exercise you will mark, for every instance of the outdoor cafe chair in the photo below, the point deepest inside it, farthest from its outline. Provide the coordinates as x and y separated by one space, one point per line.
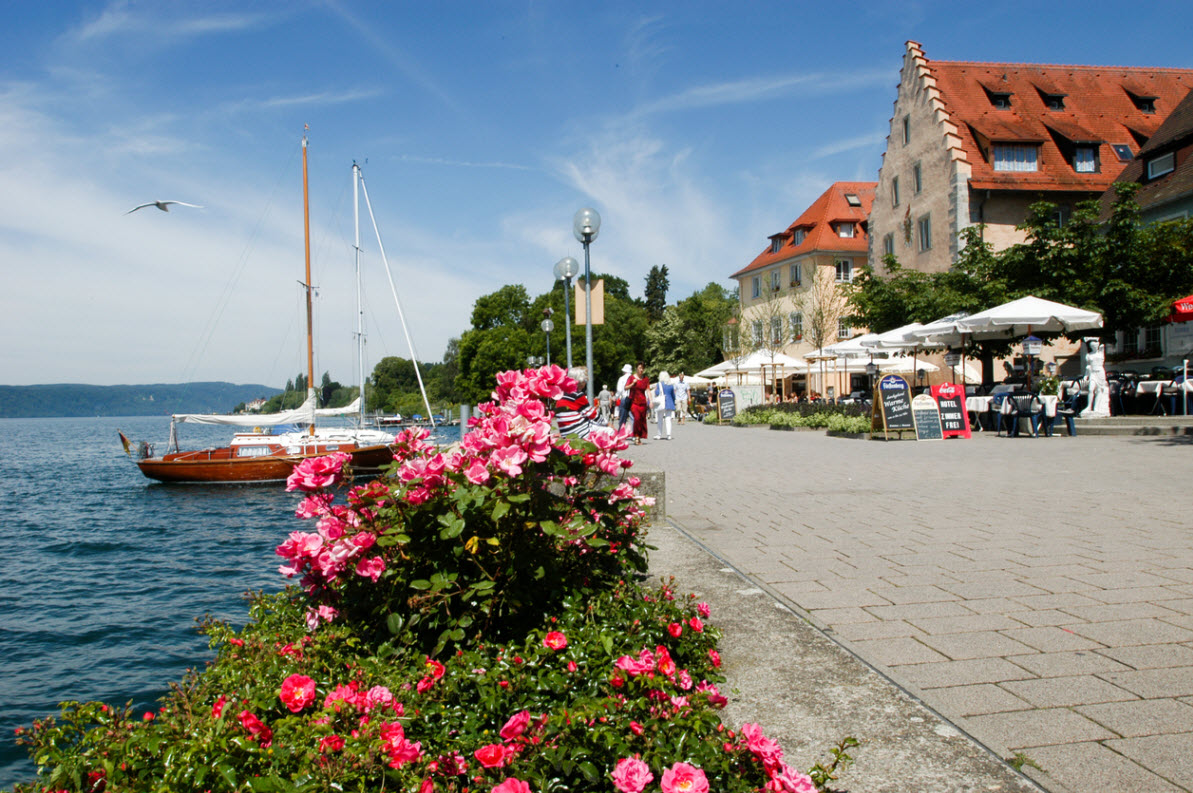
1022 404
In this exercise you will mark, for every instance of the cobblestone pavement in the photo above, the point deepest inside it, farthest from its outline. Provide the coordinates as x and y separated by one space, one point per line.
1036 592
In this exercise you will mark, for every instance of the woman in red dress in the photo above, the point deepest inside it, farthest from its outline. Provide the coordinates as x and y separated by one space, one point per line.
637 386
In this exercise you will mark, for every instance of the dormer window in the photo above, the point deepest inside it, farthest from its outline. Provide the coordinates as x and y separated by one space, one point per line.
844 229
1085 159
776 243
853 200
999 99
1142 102
797 236
1052 101
1015 156
1165 163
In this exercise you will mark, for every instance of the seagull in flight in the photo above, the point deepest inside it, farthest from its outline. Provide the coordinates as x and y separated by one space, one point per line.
164 206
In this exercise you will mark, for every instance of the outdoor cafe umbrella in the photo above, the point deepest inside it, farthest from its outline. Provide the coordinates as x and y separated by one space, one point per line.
843 350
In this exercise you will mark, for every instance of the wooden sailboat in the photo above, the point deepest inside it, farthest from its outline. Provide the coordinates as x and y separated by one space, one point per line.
261 455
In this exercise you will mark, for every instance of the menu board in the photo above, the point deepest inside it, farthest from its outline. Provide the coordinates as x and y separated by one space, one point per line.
954 419
927 418
726 405
894 399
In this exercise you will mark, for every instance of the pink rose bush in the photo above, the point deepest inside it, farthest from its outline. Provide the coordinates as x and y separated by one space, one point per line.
431 538
472 621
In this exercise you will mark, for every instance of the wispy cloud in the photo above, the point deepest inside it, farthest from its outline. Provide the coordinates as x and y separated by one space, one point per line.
848 144
119 19
399 59
318 99
464 163
758 89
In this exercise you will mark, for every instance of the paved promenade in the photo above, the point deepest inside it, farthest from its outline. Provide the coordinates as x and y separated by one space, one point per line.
1037 593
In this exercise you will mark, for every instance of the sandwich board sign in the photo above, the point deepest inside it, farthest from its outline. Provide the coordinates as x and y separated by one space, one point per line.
892 406
954 419
927 418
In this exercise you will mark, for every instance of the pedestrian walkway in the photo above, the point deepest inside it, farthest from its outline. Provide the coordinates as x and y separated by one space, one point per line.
1036 592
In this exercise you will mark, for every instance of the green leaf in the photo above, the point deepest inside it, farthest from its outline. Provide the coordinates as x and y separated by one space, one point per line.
500 509
394 622
518 498
420 583
589 771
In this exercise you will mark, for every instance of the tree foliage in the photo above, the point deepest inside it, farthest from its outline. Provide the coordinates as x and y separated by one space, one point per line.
656 292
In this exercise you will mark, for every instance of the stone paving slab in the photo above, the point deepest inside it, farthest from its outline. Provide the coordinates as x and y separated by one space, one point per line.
1038 594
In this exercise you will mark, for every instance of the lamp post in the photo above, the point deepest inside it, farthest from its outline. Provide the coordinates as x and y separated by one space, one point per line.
565 270
951 359
586 225
547 327
871 370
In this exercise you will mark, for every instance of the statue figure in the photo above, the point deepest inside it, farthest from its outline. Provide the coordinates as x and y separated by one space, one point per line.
1095 376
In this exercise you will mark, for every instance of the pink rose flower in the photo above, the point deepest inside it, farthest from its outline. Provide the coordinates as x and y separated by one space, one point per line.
631 775
695 624
703 610
297 692
684 778
554 640
330 743
515 726
788 780
675 629
512 785
256 729
491 755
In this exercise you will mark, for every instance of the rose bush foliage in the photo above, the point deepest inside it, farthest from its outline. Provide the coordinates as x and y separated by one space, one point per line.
472 622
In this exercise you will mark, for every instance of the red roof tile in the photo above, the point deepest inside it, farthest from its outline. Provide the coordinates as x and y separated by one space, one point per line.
818 221
1099 106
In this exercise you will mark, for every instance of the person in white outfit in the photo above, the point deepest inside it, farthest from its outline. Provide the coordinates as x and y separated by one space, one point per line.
621 397
681 399
663 395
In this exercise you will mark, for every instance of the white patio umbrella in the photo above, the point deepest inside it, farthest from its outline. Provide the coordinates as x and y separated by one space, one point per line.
843 351
1029 315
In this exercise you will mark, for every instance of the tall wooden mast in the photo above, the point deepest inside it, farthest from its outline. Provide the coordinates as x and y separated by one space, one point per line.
306 234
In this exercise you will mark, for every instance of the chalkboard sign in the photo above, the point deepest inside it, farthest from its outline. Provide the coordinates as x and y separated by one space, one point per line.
726 405
954 419
927 418
895 401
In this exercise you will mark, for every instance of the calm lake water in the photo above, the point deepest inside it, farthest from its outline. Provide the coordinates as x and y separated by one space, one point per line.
108 571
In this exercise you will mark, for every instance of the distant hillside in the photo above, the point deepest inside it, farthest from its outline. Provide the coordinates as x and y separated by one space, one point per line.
70 400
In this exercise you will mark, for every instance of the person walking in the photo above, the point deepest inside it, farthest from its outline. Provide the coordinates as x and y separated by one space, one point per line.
682 392
605 403
638 388
622 396
664 403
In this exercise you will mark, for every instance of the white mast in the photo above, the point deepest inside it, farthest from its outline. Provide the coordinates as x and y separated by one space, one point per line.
360 314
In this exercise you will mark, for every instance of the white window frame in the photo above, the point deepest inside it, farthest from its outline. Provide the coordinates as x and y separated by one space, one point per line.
776 244
1015 157
756 287
845 230
756 327
797 274
1085 159
1165 163
776 330
924 231
797 236
796 323
844 271
776 280
843 329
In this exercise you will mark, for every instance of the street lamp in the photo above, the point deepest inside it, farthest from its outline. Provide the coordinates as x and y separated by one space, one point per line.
871 370
547 327
565 270
586 225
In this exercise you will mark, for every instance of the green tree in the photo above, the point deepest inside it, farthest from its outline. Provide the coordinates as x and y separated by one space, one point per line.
656 292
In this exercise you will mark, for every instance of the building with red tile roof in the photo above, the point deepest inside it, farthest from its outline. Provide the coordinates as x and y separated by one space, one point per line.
1163 168
980 142
789 294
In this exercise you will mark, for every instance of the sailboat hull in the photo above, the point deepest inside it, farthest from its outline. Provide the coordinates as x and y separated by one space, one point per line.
221 466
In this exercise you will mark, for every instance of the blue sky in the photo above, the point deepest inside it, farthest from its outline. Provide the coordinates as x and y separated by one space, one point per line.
696 129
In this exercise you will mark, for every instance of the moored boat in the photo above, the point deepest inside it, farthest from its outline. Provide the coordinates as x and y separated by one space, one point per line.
263 455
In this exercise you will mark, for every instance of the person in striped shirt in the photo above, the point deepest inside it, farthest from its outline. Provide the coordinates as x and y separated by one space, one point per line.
574 415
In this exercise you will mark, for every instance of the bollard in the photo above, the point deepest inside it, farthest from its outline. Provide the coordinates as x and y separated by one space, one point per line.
465 415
